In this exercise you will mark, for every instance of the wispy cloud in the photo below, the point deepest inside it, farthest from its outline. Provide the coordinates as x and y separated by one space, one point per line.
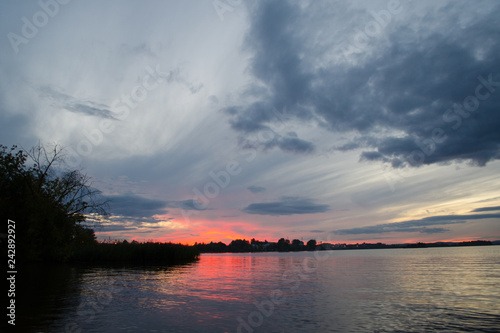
90 110
75 105
417 225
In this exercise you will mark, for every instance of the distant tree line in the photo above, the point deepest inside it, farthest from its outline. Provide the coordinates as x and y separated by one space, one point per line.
243 245
447 244
284 245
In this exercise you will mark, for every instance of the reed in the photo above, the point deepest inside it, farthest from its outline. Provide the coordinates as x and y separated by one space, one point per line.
149 253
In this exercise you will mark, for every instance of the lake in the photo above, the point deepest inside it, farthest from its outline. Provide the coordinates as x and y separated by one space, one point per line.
387 290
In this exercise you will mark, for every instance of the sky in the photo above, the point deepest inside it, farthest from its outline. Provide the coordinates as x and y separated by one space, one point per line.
340 121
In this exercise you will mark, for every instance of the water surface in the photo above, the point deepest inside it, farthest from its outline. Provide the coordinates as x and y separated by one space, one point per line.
386 290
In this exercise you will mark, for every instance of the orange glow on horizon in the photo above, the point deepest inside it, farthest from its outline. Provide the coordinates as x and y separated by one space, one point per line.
227 235
206 237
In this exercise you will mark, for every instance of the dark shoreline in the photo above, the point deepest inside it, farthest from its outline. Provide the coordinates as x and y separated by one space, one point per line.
134 253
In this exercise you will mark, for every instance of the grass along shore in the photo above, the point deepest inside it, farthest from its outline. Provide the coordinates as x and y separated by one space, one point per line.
149 253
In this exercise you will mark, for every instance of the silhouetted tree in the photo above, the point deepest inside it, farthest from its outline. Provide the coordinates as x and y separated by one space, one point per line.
47 201
297 245
311 245
283 245
211 247
240 245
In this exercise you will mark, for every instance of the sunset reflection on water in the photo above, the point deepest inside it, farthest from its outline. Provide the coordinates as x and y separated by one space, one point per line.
389 290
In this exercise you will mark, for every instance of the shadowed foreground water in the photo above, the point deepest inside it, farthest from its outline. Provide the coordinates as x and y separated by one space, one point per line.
389 290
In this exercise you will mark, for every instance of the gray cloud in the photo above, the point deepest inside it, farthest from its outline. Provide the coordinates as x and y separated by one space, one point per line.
408 101
295 145
433 230
287 206
256 189
89 110
486 209
189 204
289 143
114 227
73 104
417 225
135 206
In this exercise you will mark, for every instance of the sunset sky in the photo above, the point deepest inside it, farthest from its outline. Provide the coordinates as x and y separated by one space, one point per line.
340 121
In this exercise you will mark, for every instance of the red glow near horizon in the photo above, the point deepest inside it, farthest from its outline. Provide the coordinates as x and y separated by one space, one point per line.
226 235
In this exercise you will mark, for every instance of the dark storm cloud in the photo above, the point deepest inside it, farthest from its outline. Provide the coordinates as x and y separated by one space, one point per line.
256 189
135 206
425 96
287 206
295 145
417 225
